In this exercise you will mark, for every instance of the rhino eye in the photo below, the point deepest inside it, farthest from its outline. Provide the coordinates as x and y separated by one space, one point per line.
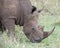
32 28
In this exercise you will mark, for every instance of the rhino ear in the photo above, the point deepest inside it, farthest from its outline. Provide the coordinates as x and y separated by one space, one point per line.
40 10
33 9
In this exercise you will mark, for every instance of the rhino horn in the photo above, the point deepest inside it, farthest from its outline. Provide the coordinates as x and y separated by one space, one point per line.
46 34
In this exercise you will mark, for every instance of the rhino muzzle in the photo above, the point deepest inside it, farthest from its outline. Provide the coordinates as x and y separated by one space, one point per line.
37 37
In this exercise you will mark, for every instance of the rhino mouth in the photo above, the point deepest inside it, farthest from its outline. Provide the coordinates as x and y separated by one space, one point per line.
38 40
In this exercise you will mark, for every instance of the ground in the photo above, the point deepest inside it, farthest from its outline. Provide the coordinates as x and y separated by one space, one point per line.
45 19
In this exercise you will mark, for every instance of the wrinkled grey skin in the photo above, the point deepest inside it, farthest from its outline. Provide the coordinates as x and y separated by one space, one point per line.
19 12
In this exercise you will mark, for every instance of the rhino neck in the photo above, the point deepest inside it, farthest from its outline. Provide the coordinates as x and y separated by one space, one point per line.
20 20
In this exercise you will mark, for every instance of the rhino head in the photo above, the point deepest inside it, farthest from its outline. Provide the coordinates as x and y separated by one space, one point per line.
36 34
34 31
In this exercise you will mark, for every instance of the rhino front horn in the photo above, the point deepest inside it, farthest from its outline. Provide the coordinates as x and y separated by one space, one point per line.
46 34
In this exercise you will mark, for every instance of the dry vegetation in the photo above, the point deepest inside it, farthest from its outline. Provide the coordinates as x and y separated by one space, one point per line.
46 19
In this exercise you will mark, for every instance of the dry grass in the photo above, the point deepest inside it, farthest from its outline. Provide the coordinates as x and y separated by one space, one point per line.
46 19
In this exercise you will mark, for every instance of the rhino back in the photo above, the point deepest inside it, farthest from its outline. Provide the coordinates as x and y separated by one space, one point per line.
15 8
10 8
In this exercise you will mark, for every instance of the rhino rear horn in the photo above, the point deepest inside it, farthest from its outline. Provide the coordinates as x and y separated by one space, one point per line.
46 34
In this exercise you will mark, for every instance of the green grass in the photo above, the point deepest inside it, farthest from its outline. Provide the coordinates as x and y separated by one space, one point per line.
45 19
53 41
